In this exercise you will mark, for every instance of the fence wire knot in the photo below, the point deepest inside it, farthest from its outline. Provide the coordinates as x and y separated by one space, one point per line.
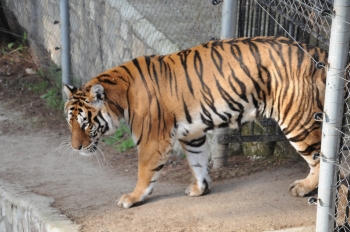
216 2
320 65
316 156
312 201
318 116
326 12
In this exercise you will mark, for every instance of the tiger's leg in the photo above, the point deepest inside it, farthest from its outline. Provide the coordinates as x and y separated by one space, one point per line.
152 158
300 188
307 148
195 150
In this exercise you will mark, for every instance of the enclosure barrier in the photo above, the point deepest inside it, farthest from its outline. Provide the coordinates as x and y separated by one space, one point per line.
65 51
332 116
228 28
106 34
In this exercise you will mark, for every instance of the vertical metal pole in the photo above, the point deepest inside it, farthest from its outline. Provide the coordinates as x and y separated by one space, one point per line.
333 109
65 49
228 30
229 19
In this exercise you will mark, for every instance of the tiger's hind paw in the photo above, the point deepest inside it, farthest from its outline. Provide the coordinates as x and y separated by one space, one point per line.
301 188
195 190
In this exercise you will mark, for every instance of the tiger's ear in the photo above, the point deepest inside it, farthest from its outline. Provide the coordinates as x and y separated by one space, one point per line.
97 94
69 90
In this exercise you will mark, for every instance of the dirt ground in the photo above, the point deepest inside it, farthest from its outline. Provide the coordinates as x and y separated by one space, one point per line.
248 195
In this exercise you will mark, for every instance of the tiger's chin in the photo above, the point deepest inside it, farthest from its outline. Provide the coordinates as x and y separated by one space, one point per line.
86 153
90 150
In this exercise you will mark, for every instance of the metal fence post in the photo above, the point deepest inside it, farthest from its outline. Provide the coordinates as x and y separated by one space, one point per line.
65 48
229 19
333 111
228 30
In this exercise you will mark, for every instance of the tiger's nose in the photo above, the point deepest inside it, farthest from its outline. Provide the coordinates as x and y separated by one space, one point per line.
76 146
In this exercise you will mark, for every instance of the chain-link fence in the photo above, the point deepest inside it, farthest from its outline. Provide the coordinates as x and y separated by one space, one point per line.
312 16
342 185
304 21
107 33
310 21
35 24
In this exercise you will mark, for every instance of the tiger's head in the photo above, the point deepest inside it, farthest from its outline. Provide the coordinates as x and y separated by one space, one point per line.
89 116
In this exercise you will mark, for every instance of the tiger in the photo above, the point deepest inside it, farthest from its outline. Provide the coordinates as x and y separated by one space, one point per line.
181 96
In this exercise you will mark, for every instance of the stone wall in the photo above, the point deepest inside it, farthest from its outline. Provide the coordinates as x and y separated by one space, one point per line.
21 210
106 33
36 19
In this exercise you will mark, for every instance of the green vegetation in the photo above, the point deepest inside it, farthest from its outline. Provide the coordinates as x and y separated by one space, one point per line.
16 47
53 95
38 88
121 140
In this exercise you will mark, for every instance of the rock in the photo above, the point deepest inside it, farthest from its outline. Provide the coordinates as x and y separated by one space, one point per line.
30 71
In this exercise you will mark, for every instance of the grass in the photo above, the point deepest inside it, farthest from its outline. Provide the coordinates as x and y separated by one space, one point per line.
37 88
16 47
121 140
50 91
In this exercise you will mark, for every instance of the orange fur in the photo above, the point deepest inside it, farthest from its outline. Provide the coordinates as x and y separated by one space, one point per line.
182 95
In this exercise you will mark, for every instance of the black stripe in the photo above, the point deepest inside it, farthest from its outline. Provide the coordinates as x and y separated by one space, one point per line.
210 102
311 148
188 116
217 60
229 100
175 122
307 131
193 152
119 108
195 142
198 65
105 80
158 168
288 107
139 141
208 122
243 95
137 65
170 75
256 54
127 70
155 75
106 127
244 67
183 58
120 76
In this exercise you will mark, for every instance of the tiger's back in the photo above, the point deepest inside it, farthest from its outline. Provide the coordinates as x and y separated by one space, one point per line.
216 84
232 81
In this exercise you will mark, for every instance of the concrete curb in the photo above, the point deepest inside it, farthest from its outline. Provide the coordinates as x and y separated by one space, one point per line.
298 229
22 210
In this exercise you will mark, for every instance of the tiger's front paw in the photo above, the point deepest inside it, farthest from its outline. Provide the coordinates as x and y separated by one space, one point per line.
195 189
301 188
128 200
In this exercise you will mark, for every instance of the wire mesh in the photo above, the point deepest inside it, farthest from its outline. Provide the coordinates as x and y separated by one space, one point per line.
342 204
36 24
108 33
312 16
